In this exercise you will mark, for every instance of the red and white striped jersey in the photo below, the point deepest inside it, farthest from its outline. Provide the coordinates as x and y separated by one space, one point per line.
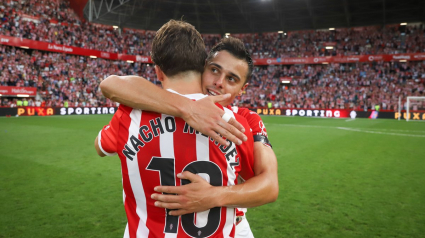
259 134
153 149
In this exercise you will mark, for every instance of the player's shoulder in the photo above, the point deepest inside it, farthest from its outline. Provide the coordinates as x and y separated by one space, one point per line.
125 109
247 113
238 117
244 122
243 111
241 119
128 110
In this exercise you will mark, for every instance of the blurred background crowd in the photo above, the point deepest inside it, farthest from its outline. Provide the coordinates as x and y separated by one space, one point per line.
73 80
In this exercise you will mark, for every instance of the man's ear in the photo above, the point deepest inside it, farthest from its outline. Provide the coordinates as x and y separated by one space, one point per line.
159 73
243 89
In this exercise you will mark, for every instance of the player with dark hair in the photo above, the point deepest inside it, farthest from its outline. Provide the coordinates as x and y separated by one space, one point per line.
155 148
227 69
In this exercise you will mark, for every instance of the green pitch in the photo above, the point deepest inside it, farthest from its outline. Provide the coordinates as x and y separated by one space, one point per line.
338 178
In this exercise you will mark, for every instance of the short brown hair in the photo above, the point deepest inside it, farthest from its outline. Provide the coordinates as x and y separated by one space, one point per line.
236 48
178 47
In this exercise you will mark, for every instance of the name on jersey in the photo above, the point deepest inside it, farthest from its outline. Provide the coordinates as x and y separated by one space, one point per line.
229 152
157 127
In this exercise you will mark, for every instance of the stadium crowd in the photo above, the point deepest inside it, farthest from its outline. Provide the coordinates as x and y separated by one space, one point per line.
61 78
69 80
58 10
58 24
359 85
73 80
390 39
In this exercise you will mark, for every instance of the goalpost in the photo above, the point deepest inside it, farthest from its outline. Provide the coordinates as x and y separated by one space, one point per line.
417 102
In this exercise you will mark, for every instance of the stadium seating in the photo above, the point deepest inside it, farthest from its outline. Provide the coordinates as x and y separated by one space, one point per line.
57 23
61 77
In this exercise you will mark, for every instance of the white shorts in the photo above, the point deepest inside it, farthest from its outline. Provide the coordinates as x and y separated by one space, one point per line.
243 230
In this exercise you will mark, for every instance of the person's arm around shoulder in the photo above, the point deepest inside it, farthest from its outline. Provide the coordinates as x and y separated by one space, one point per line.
261 188
261 181
202 115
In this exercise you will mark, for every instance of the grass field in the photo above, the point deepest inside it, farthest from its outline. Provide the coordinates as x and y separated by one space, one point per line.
338 178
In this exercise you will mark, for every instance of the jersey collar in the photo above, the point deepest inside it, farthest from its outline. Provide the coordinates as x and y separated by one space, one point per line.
195 96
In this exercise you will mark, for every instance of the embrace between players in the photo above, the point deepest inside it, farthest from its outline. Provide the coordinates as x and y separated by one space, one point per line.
181 178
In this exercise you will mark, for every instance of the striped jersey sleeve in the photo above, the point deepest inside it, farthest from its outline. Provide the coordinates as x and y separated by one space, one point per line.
256 124
107 138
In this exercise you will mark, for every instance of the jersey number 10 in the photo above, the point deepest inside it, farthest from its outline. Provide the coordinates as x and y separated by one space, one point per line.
166 169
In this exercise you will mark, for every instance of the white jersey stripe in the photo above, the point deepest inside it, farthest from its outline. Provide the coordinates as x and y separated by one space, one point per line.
230 220
123 191
230 172
166 140
230 212
126 232
202 147
202 154
134 176
166 147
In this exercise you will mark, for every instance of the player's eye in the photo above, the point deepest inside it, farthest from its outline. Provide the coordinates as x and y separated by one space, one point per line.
233 79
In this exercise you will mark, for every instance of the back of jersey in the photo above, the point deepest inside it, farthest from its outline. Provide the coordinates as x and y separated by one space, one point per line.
153 149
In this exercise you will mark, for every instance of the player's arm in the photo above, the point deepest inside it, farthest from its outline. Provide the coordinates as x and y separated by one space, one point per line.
261 187
202 115
199 195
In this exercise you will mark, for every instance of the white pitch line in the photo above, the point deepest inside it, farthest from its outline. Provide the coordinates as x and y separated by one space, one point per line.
299 125
350 120
378 132
357 129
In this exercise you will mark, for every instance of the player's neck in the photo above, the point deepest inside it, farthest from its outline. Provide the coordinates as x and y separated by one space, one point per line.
188 82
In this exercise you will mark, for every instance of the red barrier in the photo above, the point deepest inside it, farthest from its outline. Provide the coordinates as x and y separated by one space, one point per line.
339 59
39 45
20 42
49 111
302 112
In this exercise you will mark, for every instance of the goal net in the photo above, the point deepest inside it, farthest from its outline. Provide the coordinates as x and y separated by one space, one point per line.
414 104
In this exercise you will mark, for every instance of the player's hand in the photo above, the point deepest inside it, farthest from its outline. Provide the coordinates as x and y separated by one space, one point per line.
197 196
204 116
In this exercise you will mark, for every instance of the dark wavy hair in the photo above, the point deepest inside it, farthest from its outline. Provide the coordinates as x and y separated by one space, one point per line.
178 47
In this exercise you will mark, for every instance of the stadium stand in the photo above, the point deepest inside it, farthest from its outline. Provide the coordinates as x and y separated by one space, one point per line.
57 23
359 86
61 77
